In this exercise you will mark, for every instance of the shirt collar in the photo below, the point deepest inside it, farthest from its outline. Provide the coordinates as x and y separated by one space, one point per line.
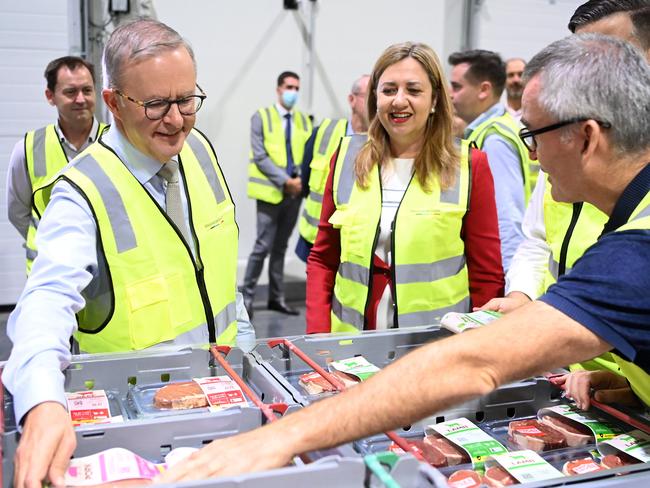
281 110
634 192
495 110
143 167
91 134
349 131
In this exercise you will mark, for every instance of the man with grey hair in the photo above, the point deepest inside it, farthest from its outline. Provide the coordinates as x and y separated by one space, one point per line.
137 238
316 164
558 233
588 129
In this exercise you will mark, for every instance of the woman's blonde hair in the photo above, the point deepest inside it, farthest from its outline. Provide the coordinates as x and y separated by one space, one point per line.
438 156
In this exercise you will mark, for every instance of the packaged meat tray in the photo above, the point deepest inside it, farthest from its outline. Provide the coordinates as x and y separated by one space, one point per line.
142 400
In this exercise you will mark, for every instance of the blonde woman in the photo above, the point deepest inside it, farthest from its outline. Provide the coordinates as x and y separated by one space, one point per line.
408 229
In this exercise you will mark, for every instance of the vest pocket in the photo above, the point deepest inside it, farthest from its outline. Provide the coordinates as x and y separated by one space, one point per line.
153 316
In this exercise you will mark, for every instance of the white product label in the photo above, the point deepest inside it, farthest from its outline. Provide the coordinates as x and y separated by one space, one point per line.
635 443
90 407
357 366
109 466
221 392
477 443
525 466
460 322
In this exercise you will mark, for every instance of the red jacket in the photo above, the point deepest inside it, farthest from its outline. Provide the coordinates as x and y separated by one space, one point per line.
480 231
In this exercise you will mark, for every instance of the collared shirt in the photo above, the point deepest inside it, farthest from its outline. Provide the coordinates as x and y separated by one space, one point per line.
19 186
44 319
607 288
505 165
516 114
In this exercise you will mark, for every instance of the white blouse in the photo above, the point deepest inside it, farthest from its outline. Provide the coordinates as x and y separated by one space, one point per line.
395 178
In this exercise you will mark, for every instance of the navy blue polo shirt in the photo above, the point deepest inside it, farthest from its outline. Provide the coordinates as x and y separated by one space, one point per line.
608 289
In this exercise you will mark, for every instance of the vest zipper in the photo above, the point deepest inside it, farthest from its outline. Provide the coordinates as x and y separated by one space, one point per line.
564 250
199 270
393 279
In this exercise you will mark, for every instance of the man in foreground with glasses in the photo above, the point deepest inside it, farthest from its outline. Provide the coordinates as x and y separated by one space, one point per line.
601 306
137 237
556 233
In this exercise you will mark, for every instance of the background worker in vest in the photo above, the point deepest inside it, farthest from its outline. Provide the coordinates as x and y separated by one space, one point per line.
374 267
118 223
580 159
557 233
316 165
477 81
278 137
514 86
43 152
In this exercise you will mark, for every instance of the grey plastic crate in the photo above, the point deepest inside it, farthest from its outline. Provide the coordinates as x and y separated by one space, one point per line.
380 348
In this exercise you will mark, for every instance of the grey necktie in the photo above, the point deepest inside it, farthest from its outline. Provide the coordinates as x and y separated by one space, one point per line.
173 202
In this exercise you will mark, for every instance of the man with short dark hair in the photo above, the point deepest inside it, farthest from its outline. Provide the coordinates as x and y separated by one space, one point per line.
43 152
278 137
477 81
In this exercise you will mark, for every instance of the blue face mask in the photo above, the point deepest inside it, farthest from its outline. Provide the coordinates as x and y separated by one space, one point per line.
289 98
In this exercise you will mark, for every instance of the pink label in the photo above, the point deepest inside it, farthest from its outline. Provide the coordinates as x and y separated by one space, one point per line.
221 391
88 407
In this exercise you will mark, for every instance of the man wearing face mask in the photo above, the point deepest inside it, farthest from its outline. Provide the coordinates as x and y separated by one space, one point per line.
278 137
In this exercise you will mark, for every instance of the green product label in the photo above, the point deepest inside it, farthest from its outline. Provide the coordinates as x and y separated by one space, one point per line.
357 366
477 443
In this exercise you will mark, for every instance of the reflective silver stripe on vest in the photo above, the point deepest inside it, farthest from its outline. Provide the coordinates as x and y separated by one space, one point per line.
346 180
205 162
30 253
317 197
38 152
304 121
267 111
225 317
325 141
347 315
354 272
260 181
431 317
553 267
34 220
310 220
452 194
643 213
119 219
428 272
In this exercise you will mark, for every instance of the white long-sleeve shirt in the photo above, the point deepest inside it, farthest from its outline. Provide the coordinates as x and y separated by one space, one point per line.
530 262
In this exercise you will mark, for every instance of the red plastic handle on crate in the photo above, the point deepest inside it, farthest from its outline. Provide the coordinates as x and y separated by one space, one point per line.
614 412
401 442
217 353
332 380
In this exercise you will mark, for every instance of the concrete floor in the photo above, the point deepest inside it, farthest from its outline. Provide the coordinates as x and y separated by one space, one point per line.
267 324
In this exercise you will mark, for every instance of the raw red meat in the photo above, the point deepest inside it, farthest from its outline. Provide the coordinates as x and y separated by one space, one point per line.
465 478
496 477
575 434
612 461
314 383
532 434
453 454
580 466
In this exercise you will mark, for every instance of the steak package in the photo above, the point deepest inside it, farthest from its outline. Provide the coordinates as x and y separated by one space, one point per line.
532 434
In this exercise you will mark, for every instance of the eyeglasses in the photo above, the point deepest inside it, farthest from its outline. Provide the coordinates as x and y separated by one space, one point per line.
528 136
157 108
